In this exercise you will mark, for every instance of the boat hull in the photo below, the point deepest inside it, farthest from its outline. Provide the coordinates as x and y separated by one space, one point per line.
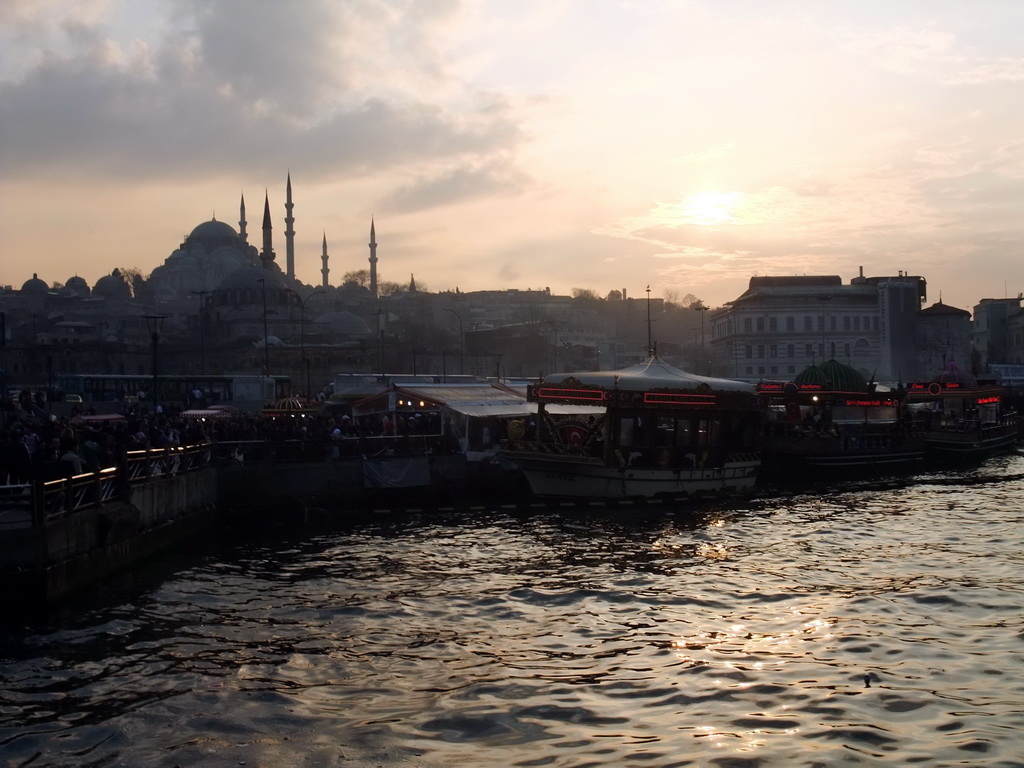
571 477
794 457
971 445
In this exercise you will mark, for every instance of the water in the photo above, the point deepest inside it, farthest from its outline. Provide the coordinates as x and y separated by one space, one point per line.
861 625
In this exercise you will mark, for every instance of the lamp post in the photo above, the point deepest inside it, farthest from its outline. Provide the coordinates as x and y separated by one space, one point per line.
302 330
155 323
202 331
266 335
698 306
462 343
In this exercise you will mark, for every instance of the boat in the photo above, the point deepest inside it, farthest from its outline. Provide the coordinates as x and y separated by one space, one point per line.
962 419
664 433
830 420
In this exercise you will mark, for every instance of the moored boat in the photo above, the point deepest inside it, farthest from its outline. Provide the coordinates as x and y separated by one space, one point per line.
829 419
962 419
664 433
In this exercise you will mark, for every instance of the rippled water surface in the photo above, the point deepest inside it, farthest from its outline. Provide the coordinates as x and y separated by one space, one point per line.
859 625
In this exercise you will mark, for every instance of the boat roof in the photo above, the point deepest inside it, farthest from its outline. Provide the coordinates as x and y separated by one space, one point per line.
653 373
477 400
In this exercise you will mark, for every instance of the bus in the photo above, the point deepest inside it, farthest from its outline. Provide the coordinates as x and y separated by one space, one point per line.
245 392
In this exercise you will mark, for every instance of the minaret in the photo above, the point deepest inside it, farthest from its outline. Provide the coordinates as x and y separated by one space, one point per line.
373 261
267 254
323 257
289 233
241 221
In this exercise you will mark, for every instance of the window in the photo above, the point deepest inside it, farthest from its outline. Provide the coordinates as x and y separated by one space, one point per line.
846 323
774 369
856 323
773 350
847 350
773 324
748 325
760 352
808 323
750 370
875 324
832 323
760 370
821 323
790 369
791 351
749 351
790 323
760 325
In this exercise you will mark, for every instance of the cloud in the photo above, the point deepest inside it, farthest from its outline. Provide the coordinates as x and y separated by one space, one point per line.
461 184
242 85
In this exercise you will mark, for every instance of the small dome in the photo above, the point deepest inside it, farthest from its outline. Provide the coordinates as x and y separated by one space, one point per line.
833 376
76 285
344 323
952 374
112 286
249 277
35 286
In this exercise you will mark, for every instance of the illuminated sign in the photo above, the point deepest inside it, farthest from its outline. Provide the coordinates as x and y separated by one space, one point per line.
988 400
677 398
865 403
589 395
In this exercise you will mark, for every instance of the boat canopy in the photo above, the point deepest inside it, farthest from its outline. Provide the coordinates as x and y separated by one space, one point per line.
653 373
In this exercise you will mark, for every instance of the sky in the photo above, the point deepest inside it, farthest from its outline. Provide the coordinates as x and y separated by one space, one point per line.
680 145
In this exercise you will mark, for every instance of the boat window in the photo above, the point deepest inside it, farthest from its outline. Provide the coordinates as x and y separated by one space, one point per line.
626 432
665 433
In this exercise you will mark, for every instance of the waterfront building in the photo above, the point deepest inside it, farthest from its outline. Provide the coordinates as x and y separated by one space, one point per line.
780 325
996 335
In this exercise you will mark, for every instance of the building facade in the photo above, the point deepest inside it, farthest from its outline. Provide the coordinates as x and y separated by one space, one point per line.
781 325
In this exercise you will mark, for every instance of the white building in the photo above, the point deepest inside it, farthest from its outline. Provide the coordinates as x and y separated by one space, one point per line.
780 325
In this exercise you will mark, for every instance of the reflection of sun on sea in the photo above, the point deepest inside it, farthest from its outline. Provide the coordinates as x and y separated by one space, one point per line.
707 208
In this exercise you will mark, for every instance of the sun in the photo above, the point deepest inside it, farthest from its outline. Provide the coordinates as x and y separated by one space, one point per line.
708 208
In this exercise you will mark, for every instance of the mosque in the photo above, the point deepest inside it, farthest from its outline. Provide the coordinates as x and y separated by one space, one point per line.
215 285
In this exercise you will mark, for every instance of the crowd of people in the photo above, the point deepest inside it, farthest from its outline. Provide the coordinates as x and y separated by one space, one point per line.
37 445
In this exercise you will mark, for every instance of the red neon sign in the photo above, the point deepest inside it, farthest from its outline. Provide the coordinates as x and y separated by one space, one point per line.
670 398
988 400
551 393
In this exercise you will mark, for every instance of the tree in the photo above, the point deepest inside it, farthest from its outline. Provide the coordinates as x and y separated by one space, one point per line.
135 279
360 277
586 294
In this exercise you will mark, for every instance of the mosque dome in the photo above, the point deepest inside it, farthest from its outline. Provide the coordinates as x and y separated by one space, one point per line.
35 286
112 286
343 323
211 231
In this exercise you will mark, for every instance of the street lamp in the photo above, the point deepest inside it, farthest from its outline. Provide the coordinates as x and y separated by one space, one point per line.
266 336
462 343
202 331
698 306
302 330
155 323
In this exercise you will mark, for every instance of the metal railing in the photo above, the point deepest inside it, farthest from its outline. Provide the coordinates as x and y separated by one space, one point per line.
28 505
